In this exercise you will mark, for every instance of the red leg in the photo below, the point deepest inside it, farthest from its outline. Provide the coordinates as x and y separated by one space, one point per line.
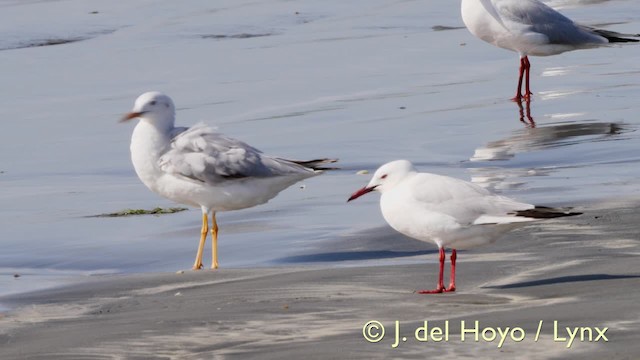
527 67
452 284
440 287
520 76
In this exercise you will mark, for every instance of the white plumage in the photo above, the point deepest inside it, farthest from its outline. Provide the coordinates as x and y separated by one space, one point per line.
449 212
530 27
200 167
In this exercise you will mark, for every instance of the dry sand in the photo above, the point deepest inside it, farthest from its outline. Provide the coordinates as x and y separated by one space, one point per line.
580 272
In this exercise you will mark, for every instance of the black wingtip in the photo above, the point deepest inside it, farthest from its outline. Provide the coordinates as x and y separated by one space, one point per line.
317 164
543 212
615 37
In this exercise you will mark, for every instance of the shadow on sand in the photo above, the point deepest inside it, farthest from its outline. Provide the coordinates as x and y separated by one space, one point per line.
563 279
352 255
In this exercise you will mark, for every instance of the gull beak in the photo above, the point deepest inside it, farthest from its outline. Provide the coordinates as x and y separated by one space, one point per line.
361 192
131 115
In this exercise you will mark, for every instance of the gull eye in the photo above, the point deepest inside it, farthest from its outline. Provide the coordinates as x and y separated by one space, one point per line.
383 176
152 103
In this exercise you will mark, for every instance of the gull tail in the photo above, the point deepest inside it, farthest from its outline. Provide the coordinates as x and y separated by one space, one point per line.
543 212
316 164
616 37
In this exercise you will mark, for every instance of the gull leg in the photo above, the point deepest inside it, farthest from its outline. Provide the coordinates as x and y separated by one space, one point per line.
440 287
452 284
203 238
520 76
527 68
214 241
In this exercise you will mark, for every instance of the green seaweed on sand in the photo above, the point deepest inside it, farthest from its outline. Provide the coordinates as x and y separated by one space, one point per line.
133 212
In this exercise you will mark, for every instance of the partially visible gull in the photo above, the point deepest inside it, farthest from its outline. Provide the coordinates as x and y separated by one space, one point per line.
530 27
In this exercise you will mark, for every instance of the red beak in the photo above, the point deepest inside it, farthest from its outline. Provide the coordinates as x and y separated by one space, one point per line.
361 192
131 115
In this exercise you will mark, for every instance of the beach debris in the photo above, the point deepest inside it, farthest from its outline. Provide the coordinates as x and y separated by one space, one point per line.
445 27
53 40
234 36
178 294
16 276
362 172
179 272
132 212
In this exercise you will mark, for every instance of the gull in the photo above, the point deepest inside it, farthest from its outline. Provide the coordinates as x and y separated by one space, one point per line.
200 167
530 27
449 212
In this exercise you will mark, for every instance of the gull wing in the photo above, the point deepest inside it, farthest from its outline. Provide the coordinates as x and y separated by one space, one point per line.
533 18
466 203
202 154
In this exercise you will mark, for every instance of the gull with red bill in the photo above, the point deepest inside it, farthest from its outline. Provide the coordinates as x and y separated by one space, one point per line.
530 27
449 212
200 167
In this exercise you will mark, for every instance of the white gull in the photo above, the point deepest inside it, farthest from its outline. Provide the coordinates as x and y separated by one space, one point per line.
530 27
449 212
200 167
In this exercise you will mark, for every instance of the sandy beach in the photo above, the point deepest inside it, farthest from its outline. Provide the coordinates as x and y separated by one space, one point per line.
547 279
363 81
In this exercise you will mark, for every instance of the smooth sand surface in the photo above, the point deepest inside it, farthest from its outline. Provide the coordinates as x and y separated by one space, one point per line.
580 272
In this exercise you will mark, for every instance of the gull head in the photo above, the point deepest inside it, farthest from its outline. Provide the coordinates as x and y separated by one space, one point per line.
154 107
386 177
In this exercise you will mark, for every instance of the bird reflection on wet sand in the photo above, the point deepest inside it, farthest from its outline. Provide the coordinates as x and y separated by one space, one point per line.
532 139
525 112
546 137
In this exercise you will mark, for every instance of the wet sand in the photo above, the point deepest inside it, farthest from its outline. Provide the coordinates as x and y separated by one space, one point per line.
579 272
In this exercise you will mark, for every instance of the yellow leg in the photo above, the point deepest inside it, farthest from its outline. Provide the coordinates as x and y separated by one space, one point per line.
214 241
203 238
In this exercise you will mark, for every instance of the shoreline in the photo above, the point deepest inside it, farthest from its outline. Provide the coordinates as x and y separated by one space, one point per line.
574 274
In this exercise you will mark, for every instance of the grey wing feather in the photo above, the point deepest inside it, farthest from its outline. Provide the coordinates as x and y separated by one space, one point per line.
543 19
462 200
200 153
